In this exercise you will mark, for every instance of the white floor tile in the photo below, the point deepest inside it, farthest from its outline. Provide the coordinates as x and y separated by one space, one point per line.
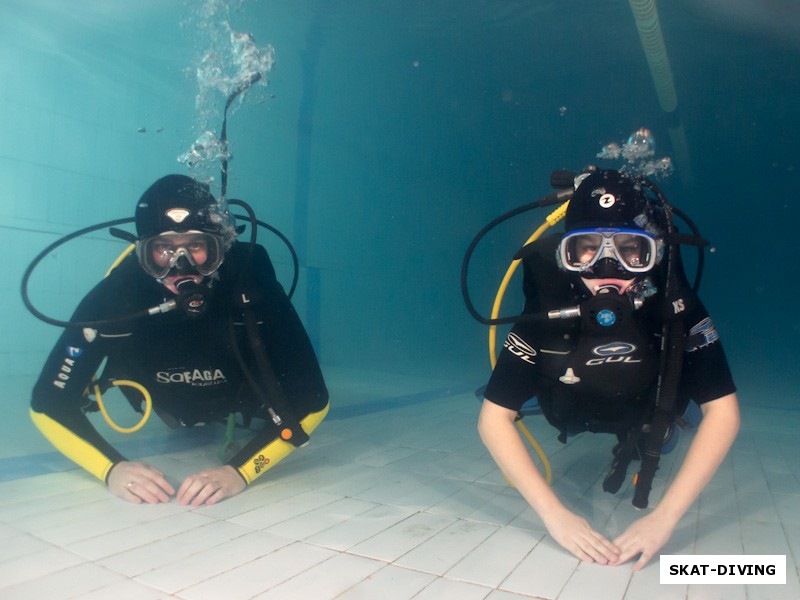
135 536
153 555
598 582
387 456
790 591
503 595
325 580
125 590
260 575
349 479
718 535
324 517
18 545
447 589
388 486
423 497
73 582
492 561
646 583
792 533
717 592
383 506
397 540
543 572
788 506
265 491
48 487
19 505
757 506
43 513
718 500
390 583
438 554
191 570
352 532
285 509
467 500
33 567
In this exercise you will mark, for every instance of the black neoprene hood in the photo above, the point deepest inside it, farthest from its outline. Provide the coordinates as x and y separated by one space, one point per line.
178 203
606 198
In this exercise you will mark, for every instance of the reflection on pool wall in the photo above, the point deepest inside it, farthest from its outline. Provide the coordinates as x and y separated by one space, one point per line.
389 133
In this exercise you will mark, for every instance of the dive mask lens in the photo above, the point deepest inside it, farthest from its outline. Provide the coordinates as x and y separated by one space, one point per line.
161 253
635 250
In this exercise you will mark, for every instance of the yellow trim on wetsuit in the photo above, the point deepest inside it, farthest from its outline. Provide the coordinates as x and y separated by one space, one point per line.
120 258
274 452
72 446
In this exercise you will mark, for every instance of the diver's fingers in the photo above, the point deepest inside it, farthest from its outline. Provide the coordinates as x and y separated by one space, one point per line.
598 548
210 486
138 482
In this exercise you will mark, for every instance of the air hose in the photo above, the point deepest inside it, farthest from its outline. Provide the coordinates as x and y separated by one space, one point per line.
551 220
148 400
148 405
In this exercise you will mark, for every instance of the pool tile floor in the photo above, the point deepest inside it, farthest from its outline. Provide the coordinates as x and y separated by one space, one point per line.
394 498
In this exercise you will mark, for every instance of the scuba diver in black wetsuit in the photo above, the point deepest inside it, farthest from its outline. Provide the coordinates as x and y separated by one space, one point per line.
626 345
222 338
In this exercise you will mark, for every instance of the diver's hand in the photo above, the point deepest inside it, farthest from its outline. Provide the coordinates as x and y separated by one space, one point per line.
138 482
644 537
576 535
209 486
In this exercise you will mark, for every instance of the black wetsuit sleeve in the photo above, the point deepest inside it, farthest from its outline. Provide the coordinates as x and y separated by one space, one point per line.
289 352
517 376
58 396
706 374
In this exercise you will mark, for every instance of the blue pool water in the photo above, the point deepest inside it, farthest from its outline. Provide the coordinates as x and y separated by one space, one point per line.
390 132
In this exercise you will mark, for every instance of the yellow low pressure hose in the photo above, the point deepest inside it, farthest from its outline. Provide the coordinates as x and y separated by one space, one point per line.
148 400
148 405
550 221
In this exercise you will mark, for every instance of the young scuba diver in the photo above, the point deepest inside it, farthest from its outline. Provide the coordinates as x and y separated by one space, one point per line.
603 371
222 338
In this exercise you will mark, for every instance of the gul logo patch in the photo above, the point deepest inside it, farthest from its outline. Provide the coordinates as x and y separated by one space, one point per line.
614 349
74 352
178 215
520 348
613 352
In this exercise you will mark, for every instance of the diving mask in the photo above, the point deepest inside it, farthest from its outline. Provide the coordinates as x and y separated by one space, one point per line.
635 250
192 250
